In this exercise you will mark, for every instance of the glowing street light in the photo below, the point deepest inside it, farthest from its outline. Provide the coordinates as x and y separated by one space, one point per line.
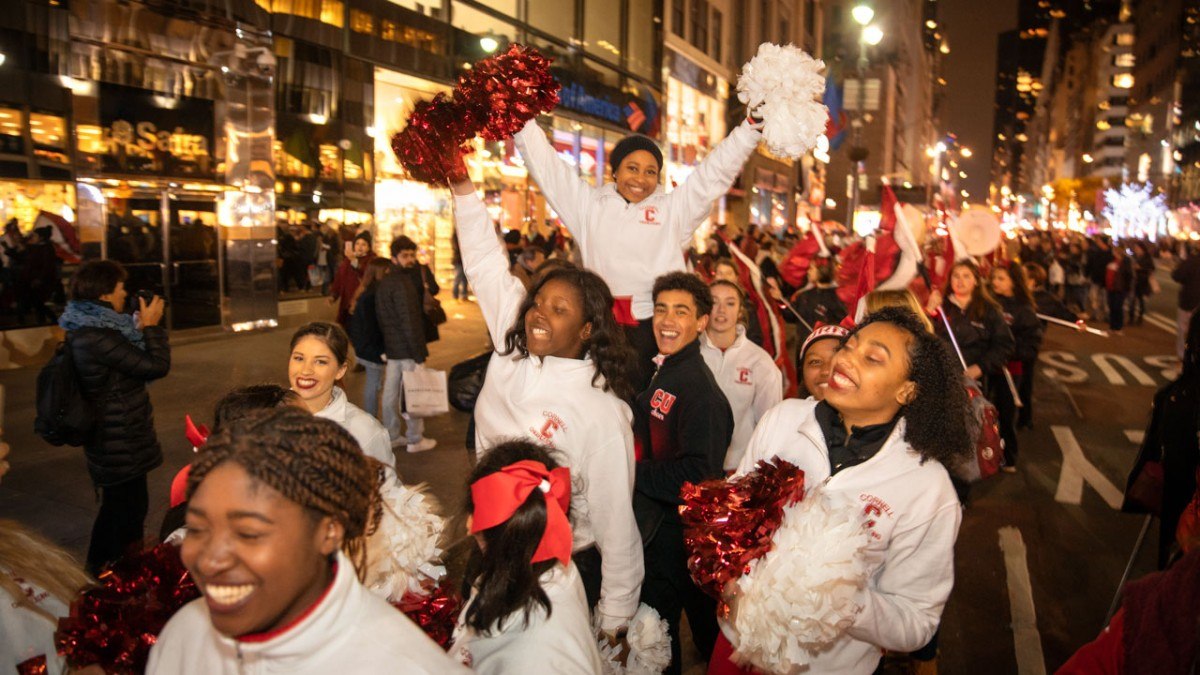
489 44
941 147
862 14
872 35
966 152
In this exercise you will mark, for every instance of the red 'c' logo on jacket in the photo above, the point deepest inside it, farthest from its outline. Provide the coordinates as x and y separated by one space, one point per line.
650 215
662 401
744 376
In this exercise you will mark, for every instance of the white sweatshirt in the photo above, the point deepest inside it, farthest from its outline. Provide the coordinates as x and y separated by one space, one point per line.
348 631
554 402
913 514
630 245
562 643
372 436
751 383
26 634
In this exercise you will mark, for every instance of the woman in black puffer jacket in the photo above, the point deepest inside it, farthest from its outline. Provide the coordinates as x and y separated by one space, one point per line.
115 356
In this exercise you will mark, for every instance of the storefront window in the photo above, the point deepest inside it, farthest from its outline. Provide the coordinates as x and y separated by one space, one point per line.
331 12
12 124
602 30
553 16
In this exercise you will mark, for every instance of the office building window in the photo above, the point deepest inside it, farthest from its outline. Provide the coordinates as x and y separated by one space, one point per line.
641 45
678 7
718 36
700 24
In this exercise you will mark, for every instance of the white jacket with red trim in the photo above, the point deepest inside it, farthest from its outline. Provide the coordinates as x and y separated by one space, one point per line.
553 401
631 245
751 383
913 513
349 630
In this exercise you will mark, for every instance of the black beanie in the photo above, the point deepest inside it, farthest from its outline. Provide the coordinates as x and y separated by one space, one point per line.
631 144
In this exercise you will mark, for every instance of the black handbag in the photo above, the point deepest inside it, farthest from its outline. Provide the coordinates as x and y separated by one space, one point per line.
465 381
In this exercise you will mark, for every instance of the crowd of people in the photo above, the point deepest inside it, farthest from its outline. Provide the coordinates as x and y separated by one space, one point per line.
617 376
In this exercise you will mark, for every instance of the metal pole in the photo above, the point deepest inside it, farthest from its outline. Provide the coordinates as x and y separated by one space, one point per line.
1137 548
858 125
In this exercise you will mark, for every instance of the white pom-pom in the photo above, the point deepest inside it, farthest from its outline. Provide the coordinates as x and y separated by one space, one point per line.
403 553
649 646
783 86
804 594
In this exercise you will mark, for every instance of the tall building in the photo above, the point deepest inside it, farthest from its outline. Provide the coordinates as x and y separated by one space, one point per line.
1019 58
1152 99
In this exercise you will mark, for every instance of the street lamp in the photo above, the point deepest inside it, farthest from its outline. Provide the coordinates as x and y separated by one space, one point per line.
489 43
870 36
965 152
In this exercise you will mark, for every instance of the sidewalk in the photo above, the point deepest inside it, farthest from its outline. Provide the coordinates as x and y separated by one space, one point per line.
49 490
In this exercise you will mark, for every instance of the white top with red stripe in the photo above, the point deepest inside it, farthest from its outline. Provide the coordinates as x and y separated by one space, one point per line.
631 245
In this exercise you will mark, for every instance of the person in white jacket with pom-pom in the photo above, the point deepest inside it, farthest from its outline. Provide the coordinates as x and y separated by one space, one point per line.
631 231
893 419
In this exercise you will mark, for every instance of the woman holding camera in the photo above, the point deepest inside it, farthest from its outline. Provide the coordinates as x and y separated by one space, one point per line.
115 355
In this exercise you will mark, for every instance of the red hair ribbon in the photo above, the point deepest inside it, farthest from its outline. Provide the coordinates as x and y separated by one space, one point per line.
196 435
499 495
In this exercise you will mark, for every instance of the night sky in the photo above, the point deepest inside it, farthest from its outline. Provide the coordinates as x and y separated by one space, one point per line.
972 27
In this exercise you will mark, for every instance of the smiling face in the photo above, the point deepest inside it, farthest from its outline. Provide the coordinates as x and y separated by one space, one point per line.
676 324
637 176
259 558
963 281
312 371
1002 283
554 325
817 365
869 380
727 309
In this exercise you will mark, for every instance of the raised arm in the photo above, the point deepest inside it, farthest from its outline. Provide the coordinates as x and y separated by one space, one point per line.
568 194
692 201
486 265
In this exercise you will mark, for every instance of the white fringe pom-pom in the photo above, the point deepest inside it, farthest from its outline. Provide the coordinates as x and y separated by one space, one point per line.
649 646
403 552
783 86
804 594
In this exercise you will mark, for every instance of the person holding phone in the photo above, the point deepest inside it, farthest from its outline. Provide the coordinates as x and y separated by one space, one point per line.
115 355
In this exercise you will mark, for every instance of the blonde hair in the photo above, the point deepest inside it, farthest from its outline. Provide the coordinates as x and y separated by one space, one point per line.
30 556
902 298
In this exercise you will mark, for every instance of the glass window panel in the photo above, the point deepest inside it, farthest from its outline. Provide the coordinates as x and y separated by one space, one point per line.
48 130
474 21
602 30
641 46
333 13
362 22
553 16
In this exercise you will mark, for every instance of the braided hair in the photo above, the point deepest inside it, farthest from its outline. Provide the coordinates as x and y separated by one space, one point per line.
310 461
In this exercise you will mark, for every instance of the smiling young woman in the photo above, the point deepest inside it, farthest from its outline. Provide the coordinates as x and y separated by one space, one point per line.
559 376
279 505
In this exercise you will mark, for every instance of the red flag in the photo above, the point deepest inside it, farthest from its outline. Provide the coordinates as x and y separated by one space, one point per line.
794 268
769 317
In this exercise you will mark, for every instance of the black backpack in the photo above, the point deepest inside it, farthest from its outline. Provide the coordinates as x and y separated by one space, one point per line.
64 416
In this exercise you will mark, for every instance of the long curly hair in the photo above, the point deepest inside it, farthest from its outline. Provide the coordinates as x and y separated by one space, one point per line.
311 461
937 417
606 345
501 574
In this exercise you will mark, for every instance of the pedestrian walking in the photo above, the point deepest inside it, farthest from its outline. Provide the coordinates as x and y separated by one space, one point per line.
461 290
630 231
349 274
277 554
399 304
1118 282
1020 313
747 375
559 376
115 356
1099 254
366 335
526 611
892 422
1187 275
683 426
1143 274
318 359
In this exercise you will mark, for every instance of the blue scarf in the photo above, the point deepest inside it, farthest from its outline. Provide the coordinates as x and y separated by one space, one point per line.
91 314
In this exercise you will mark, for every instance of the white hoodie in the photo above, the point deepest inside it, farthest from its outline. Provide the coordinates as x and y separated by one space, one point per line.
372 436
562 643
553 401
630 245
913 513
26 634
348 631
751 383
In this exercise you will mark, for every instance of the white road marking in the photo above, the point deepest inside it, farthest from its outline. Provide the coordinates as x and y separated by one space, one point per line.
1105 363
1076 470
1135 436
1027 642
1163 321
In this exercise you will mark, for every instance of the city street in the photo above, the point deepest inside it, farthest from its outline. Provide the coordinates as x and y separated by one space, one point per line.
1039 554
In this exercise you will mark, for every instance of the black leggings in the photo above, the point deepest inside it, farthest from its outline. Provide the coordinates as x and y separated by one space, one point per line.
641 338
1006 409
669 589
118 526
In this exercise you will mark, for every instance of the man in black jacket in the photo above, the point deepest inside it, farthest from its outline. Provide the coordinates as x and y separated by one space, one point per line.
682 427
1187 273
399 304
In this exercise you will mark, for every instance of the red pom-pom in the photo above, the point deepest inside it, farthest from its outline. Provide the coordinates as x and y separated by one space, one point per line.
436 612
35 666
729 523
431 147
115 624
507 90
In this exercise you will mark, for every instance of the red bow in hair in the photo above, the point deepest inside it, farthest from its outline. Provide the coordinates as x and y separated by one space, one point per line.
500 494
196 435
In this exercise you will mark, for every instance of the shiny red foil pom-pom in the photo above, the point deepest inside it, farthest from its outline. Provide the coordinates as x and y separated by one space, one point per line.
508 90
729 523
431 146
435 612
115 624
